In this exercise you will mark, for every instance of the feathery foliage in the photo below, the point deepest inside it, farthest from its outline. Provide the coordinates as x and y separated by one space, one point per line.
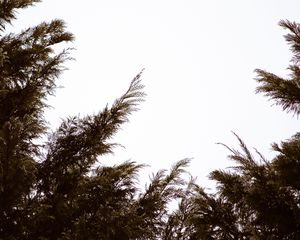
285 91
257 199
53 190
61 190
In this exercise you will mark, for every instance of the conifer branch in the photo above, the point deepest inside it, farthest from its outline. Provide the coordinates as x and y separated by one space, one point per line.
285 92
8 10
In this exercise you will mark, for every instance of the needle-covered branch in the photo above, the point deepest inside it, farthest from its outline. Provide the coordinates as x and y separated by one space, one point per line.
285 92
81 140
8 10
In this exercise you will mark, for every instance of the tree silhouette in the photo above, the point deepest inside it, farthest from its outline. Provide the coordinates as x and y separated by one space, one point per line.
257 198
56 190
59 189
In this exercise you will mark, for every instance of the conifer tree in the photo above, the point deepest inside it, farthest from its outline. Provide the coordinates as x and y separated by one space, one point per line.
59 189
257 198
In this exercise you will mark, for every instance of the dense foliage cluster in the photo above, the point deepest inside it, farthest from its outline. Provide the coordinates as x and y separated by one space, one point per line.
60 190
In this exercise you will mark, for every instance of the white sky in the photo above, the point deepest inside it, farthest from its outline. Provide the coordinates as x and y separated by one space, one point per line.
199 58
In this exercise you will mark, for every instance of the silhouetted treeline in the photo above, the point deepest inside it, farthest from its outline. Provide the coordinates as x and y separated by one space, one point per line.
54 191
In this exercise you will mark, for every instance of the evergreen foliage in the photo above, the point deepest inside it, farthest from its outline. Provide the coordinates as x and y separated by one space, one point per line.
52 190
257 198
60 190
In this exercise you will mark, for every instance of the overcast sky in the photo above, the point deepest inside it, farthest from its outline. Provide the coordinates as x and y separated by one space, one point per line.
199 58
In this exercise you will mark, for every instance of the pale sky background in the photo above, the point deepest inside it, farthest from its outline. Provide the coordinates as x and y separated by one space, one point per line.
199 58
